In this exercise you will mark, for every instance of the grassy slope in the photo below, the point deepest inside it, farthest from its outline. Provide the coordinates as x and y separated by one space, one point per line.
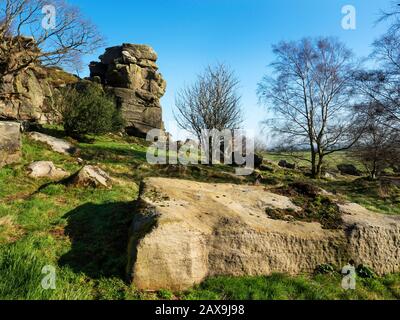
83 233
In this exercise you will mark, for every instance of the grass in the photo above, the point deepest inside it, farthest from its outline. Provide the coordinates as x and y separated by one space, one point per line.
302 159
284 287
382 196
315 208
83 232
379 196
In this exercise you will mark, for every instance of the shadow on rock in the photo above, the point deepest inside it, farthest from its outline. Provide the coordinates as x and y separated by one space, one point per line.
99 237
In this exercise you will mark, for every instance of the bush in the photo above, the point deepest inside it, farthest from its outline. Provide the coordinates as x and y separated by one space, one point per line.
89 110
365 272
325 269
165 294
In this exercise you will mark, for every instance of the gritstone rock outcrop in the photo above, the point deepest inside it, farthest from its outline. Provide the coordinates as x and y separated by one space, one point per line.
130 73
29 95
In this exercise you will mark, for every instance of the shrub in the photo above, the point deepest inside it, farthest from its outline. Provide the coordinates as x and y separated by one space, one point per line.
365 272
89 110
325 269
165 294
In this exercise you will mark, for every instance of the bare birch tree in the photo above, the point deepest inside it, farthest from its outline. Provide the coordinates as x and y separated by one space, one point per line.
309 95
382 86
211 102
379 146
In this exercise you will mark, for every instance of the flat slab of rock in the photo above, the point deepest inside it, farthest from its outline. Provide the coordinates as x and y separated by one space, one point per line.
46 169
186 231
57 145
91 176
10 143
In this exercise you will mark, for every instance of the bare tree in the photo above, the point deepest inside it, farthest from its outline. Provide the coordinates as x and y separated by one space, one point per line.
382 86
393 16
379 146
260 145
309 94
211 102
62 43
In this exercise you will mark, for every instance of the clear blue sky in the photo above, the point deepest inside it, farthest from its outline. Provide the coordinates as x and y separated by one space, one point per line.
189 34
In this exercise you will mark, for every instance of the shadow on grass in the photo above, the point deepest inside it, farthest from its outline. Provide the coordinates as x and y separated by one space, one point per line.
99 236
197 173
56 132
112 154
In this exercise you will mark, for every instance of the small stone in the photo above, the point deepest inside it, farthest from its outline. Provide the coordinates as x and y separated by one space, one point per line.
91 176
57 145
46 169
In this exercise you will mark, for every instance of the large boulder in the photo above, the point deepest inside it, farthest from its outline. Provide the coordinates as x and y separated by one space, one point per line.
45 169
185 231
131 74
10 143
56 144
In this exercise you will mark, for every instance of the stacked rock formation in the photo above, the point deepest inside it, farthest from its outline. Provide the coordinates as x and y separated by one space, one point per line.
29 94
130 73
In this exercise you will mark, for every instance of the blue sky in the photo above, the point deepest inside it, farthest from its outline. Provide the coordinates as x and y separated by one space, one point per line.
190 34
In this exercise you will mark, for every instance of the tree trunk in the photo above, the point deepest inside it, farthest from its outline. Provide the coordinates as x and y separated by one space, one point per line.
374 171
319 167
313 164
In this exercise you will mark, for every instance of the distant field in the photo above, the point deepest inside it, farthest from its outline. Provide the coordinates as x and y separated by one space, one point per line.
330 162
379 196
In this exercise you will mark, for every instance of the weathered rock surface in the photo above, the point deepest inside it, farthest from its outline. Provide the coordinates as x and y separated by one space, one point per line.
91 176
130 73
29 94
46 169
57 145
374 239
186 231
10 143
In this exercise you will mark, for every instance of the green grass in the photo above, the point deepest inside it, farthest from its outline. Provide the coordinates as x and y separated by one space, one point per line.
330 162
83 232
283 287
379 196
